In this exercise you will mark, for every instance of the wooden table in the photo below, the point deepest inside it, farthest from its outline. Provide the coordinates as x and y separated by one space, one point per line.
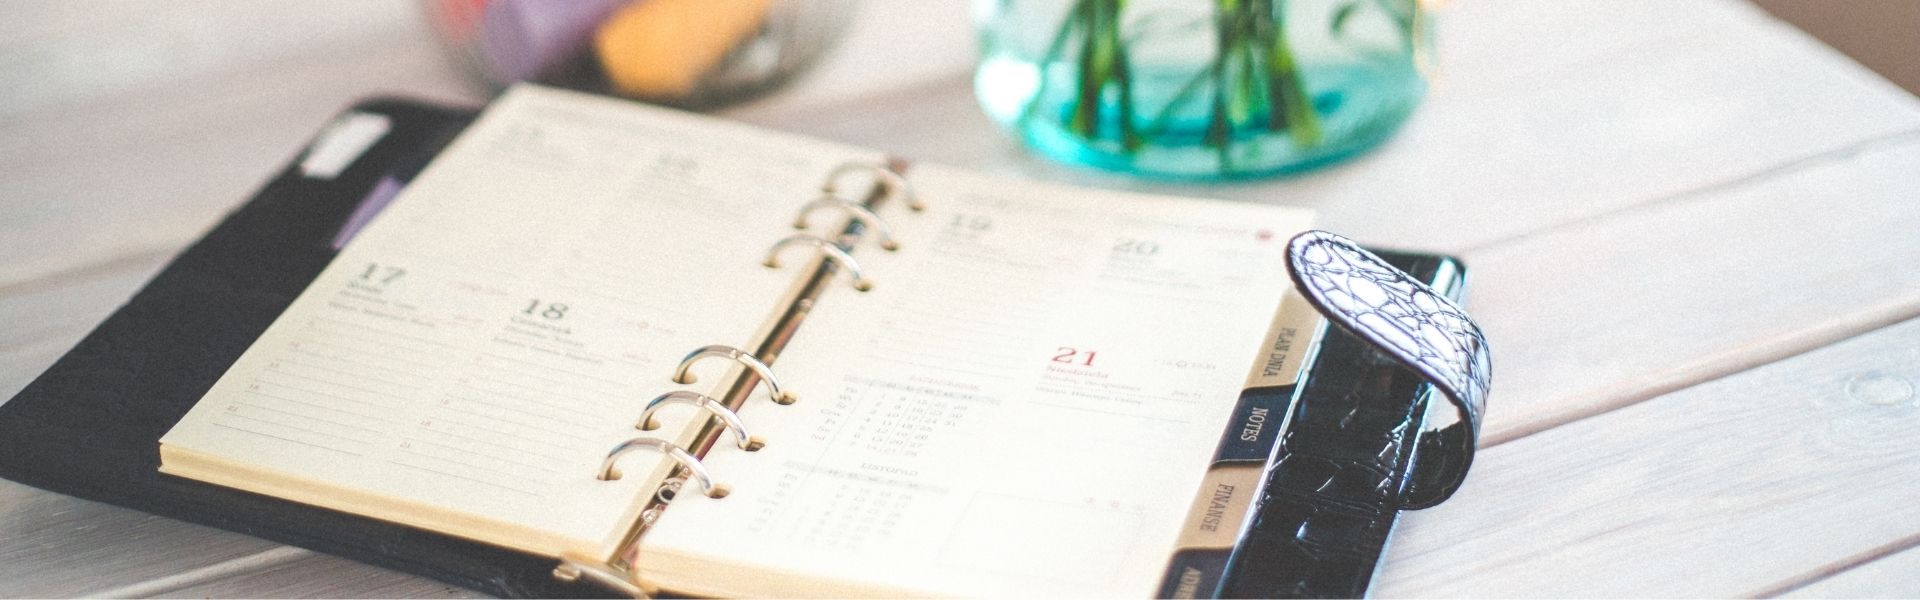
1693 235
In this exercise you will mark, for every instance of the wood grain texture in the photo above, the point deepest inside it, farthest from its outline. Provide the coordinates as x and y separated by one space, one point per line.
316 576
1720 489
53 545
1587 319
59 54
1895 576
887 46
146 174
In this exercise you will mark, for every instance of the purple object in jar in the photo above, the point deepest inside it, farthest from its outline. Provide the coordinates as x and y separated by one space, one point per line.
525 38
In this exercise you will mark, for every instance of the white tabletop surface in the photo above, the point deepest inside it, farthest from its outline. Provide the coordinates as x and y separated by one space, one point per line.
1692 233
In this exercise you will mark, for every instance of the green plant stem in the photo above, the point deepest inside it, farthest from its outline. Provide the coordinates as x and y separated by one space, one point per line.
1246 100
1068 24
1084 121
1262 32
1293 110
1103 63
1254 75
1123 77
1216 135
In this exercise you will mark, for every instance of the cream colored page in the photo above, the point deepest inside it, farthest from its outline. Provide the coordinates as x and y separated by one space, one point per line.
477 348
1023 404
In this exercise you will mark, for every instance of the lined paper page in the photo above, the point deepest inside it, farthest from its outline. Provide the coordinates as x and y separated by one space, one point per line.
464 364
1023 405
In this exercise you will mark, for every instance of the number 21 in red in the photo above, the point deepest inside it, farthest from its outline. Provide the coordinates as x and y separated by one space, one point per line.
1074 356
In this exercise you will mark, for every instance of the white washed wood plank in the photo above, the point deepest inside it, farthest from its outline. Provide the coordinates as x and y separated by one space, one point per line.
1896 576
146 172
1721 489
317 576
173 581
53 545
1509 34
56 52
887 46
1585 319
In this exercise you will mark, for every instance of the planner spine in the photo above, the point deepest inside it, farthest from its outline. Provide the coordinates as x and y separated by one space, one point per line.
754 367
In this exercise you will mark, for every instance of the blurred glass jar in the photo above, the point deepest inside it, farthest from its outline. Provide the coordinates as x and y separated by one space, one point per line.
687 53
1201 89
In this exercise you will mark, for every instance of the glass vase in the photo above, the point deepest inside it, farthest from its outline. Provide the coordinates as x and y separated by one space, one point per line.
1201 89
688 53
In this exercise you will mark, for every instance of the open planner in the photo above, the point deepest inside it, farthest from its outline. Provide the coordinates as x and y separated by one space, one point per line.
686 355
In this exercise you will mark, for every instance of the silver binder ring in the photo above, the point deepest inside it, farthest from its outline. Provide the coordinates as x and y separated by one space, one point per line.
719 409
617 580
831 250
895 185
687 461
682 375
855 211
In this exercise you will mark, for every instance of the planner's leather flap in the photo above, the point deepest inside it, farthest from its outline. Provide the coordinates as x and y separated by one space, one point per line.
1415 326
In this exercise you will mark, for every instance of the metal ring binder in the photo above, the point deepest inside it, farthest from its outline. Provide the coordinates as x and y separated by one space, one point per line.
619 573
679 455
682 376
719 409
854 210
832 251
571 570
895 184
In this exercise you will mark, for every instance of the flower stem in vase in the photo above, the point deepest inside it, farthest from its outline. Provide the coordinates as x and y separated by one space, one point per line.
1293 109
1143 86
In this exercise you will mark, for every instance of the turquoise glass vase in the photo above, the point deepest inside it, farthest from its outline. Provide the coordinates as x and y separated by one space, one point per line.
1201 89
